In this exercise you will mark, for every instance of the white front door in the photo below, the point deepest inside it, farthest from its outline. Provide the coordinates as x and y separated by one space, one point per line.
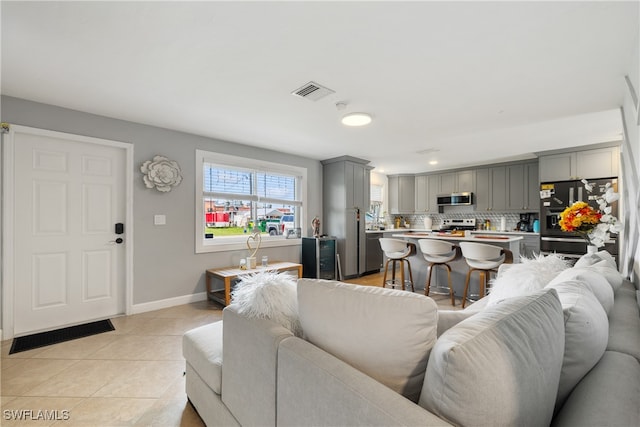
69 193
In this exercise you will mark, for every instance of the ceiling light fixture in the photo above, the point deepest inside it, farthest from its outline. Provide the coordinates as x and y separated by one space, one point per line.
356 119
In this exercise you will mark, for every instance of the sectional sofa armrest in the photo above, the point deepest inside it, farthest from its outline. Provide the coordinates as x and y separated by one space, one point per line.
249 359
449 318
316 388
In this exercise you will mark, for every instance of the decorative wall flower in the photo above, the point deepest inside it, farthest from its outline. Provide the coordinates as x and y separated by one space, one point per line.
594 225
161 173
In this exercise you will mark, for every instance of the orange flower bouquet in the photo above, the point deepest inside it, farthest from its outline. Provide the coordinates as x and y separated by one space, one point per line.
594 225
580 218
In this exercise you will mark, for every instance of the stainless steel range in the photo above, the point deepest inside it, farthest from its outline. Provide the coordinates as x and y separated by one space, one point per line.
458 224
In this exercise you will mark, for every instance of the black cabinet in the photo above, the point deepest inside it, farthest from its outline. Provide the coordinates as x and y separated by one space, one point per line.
319 257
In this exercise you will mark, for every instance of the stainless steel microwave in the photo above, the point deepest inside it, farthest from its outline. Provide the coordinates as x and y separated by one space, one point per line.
455 199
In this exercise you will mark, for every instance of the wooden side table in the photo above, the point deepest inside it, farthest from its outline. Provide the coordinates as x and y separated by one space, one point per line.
227 275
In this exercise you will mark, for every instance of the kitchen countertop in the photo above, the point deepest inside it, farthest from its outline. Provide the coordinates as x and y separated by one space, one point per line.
422 230
474 237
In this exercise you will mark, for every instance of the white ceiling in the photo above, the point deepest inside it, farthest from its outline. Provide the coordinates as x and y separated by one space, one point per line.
478 82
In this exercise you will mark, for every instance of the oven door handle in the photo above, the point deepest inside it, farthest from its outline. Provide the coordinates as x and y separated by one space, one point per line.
571 239
563 239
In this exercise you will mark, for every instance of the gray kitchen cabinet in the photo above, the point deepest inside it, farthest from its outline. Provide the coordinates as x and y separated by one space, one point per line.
515 187
530 246
393 193
590 164
491 189
425 194
522 187
498 197
483 190
532 187
357 189
456 182
402 195
448 183
600 163
466 181
346 190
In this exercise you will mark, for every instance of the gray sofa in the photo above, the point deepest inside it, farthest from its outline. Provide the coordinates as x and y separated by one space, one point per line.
372 356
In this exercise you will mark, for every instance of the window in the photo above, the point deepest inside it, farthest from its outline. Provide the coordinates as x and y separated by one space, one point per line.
240 196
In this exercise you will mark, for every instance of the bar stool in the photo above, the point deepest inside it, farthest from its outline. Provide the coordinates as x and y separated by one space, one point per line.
439 252
485 259
397 251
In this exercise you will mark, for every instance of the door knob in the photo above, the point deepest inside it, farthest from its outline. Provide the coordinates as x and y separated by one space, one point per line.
119 240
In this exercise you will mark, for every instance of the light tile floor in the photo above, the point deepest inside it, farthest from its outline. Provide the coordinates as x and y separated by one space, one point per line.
132 376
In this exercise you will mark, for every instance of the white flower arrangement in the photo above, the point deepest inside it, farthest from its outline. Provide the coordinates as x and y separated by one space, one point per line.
161 173
608 223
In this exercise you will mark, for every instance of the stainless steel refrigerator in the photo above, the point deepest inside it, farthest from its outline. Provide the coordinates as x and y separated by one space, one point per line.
554 198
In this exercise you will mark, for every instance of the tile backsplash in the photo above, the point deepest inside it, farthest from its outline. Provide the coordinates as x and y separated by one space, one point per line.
417 221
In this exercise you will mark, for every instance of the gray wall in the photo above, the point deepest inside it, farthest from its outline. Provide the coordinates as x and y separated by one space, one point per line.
631 166
165 263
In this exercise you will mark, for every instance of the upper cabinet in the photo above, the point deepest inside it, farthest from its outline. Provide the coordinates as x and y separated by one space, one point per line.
589 164
357 180
427 187
346 184
491 189
522 187
499 188
402 194
456 182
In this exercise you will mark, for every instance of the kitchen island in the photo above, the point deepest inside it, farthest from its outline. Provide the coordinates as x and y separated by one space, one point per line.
459 267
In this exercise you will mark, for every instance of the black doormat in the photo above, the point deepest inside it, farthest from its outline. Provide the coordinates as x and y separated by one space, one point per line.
60 335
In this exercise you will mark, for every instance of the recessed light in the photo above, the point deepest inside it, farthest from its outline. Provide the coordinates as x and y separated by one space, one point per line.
356 119
433 162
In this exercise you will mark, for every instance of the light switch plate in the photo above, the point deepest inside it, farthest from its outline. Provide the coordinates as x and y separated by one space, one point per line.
159 219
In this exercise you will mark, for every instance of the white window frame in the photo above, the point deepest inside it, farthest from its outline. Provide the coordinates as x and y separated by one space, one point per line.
240 242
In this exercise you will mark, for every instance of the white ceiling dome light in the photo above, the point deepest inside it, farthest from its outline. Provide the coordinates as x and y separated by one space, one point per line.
356 119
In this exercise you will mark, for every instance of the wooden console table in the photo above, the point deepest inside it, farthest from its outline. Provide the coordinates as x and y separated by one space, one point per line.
228 274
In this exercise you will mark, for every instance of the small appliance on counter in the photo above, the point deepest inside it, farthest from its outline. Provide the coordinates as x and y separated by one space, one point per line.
525 223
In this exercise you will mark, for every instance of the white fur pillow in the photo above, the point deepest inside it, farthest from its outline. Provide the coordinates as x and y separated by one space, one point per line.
269 295
527 277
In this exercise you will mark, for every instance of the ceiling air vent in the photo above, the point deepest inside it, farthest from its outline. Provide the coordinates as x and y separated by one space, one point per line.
312 91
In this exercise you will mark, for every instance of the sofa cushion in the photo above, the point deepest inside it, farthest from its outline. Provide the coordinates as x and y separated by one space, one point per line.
269 295
624 323
526 277
609 395
500 366
602 258
603 263
385 333
586 334
202 348
595 281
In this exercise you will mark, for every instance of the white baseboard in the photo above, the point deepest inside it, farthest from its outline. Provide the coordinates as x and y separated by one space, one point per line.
166 303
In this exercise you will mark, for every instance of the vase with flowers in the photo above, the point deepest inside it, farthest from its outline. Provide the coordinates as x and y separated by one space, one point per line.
595 225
